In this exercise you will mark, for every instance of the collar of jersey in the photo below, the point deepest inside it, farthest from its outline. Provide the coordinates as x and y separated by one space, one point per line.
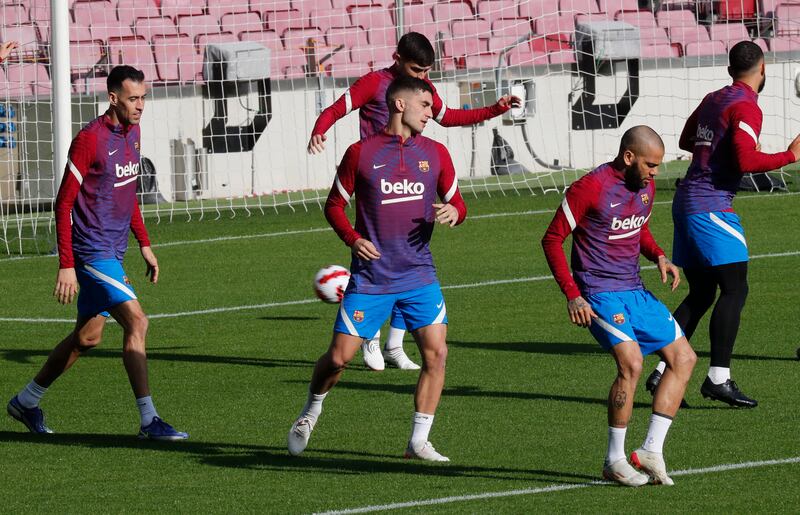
112 126
745 87
395 138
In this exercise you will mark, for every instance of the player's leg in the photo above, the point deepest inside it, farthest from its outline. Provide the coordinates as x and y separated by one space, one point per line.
371 352
25 405
393 353
723 328
133 321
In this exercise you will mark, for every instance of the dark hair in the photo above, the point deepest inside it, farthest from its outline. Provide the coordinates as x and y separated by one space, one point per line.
743 57
638 138
405 84
120 74
416 47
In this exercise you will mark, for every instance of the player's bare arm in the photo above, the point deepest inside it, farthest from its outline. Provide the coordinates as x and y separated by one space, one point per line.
446 214
66 285
364 249
152 264
794 147
580 312
665 267
316 144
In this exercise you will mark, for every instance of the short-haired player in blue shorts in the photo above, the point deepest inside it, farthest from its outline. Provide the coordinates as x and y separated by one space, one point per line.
607 213
396 176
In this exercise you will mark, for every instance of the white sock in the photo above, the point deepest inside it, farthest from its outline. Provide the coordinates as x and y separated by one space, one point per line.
395 338
616 444
376 338
30 396
656 433
719 375
661 367
313 407
147 411
421 427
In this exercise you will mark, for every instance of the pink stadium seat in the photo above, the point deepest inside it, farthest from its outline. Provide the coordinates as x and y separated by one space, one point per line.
480 61
415 15
240 22
299 39
194 25
526 57
83 55
280 21
578 6
787 20
209 39
465 46
653 36
220 8
158 26
637 19
346 4
325 19
728 32
475 27
506 27
659 51
129 10
348 36
375 58
340 65
88 85
104 31
307 6
760 42
767 8
588 18
705 48
669 19
385 37
785 44
612 7
556 24
27 35
40 14
190 69
12 14
288 63
561 57
97 12
549 44
499 43
370 18
177 8
449 11
167 51
79 33
31 78
685 35
268 38
496 9
537 9
134 51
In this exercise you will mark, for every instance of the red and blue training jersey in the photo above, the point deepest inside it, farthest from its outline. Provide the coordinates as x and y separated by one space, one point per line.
609 226
368 95
722 134
96 206
396 183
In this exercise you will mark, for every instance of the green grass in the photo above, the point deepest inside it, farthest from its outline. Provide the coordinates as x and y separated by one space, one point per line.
523 407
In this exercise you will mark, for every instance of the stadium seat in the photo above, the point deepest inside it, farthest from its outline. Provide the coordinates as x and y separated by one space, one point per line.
728 10
27 35
268 38
785 44
190 69
451 11
555 25
637 19
499 43
134 51
728 33
613 7
29 79
167 50
129 10
465 46
659 51
578 6
307 6
220 8
103 31
177 8
481 61
281 21
685 35
419 18
561 57
84 55
96 12
203 40
787 20
588 18
385 37
682 18
192 26
157 26
705 48
78 33
13 14
526 57
376 58
767 8
299 39
653 36
40 15
475 27
89 85
507 27
340 65
378 24
240 22
496 9
325 19
288 64
348 36
537 9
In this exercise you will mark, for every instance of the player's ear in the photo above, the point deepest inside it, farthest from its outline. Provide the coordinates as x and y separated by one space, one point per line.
628 156
113 98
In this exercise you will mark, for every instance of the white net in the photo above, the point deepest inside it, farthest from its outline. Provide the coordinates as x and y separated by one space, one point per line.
237 85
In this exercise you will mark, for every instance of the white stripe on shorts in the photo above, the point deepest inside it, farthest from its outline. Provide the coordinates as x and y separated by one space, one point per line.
610 329
728 228
110 280
347 322
440 317
678 330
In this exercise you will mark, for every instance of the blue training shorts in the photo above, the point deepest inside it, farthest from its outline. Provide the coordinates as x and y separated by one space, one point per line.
634 315
708 239
363 314
103 285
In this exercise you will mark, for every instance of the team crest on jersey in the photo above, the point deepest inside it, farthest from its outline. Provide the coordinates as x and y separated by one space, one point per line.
424 166
619 319
125 278
358 315
136 146
645 198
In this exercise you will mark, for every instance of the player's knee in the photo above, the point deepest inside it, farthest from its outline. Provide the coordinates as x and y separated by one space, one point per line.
436 358
87 342
139 324
631 369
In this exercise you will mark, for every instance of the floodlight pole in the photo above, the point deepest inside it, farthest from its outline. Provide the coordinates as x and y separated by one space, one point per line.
61 88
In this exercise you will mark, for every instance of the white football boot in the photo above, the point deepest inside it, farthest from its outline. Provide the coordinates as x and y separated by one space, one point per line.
423 451
373 358
652 464
621 472
299 434
397 358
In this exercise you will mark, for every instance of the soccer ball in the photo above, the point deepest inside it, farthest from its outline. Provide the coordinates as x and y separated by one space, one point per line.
330 283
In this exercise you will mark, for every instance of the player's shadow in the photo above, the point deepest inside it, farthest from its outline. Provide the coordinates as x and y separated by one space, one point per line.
535 347
272 458
420 234
26 356
288 318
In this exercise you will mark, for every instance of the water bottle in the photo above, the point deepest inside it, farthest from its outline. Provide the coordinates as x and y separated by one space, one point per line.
8 127
8 142
2 110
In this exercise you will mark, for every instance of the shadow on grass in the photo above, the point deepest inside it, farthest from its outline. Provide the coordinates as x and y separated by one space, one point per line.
261 457
288 318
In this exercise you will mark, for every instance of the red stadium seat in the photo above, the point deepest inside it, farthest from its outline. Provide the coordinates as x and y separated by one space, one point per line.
378 23
785 44
474 27
299 39
682 18
325 19
129 10
554 24
659 51
190 69
89 85
524 56
534 10
480 61
157 26
13 14
104 31
268 38
29 79
787 20
220 8
27 35
653 36
465 46
507 27
79 33
134 51
705 48
177 8
728 33
499 43
280 21
637 19
736 10
240 22
496 9
192 26
578 6
167 50
209 39
308 6
415 16
376 58
288 63
348 36
84 55
612 7
450 11
96 12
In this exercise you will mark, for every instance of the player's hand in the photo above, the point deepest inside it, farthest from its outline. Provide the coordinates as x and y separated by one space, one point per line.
665 266
365 250
66 285
317 143
758 147
446 214
152 264
794 148
580 312
509 101
6 48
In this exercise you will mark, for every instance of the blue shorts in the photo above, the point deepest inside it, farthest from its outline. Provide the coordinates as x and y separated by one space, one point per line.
634 315
708 239
397 321
103 285
363 314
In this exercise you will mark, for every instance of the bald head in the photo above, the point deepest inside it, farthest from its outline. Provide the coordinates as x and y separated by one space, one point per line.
641 140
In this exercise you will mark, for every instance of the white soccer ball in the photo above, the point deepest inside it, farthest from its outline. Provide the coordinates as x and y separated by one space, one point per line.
330 283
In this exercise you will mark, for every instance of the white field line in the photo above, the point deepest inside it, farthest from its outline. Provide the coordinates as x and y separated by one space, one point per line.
326 229
553 488
311 301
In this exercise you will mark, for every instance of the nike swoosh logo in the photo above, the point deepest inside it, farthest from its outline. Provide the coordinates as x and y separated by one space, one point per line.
112 153
375 167
439 305
615 205
670 318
